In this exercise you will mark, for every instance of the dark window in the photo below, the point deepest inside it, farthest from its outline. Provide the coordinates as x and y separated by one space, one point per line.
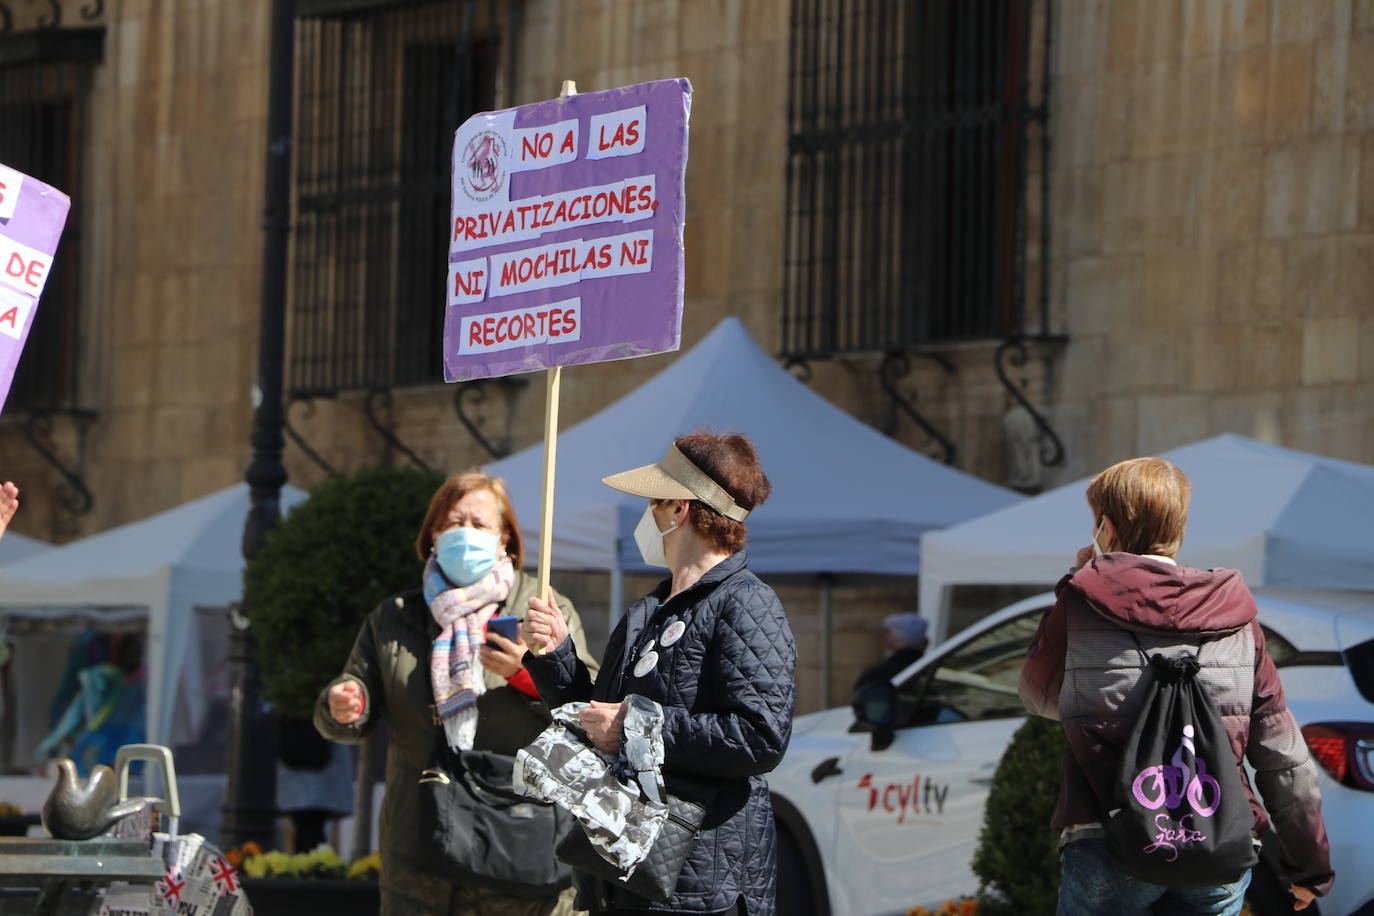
906 173
39 108
1361 660
979 680
379 93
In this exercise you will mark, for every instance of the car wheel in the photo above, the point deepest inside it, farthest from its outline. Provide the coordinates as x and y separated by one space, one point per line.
1268 896
794 882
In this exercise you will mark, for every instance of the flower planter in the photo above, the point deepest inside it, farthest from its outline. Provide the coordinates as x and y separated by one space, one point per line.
307 896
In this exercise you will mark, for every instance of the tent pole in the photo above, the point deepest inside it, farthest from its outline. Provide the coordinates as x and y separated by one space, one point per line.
617 591
827 630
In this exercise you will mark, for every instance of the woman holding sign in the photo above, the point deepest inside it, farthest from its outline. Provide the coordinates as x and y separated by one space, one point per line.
434 661
712 647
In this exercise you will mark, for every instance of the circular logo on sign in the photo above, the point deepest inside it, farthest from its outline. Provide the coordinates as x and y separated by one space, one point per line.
673 632
647 662
483 173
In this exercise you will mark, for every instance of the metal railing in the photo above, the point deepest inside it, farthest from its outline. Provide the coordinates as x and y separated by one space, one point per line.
380 91
906 174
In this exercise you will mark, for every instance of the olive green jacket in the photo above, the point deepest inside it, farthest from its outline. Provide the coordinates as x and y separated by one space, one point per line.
390 658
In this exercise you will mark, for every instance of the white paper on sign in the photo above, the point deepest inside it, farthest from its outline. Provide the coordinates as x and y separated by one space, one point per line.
15 310
24 268
10 183
467 281
482 152
541 147
617 133
557 322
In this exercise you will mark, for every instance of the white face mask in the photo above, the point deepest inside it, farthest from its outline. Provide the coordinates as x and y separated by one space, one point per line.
650 540
1097 551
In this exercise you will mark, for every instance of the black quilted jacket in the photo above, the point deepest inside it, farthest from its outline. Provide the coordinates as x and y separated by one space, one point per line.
726 687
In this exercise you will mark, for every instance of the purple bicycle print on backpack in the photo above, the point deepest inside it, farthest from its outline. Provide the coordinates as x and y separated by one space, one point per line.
1168 786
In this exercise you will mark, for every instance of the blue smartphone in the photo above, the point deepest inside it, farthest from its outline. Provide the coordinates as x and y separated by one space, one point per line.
508 627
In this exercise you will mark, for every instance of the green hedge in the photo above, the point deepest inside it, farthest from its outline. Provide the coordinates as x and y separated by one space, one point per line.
1018 856
328 563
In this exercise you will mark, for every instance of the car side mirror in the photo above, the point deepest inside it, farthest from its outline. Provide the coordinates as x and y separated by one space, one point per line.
875 711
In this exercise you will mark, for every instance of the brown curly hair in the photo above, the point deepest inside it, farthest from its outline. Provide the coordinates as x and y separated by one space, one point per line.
731 461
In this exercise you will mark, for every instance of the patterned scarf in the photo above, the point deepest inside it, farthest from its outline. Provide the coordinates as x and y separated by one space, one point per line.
454 667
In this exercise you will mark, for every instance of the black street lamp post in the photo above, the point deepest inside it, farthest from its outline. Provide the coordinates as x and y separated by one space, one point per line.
250 798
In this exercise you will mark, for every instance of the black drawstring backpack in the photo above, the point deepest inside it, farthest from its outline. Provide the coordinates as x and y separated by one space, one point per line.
1183 818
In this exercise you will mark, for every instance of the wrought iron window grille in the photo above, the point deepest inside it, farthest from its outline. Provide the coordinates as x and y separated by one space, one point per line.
381 397
470 395
909 165
380 89
18 15
296 436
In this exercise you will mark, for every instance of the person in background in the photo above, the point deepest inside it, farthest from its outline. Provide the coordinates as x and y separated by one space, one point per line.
1083 669
904 642
314 781
712 646
9 504
473 552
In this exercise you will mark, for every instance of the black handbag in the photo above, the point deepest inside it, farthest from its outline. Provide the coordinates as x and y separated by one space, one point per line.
656 877
476 829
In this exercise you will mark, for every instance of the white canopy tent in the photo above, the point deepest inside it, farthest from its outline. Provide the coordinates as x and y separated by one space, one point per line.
15 547
161 568
846 498
1283 518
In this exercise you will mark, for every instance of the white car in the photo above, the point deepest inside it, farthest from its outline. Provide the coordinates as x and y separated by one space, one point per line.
876 820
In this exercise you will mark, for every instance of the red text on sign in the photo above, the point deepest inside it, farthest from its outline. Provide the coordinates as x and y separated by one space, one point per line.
625 135
468 283
30 273
557 322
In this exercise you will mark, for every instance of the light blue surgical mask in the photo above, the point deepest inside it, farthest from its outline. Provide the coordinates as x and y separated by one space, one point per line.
466 554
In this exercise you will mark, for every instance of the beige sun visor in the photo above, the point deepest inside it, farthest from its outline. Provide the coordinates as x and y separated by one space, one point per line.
675 477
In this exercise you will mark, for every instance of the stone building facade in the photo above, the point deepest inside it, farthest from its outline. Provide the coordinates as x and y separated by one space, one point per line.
1208 208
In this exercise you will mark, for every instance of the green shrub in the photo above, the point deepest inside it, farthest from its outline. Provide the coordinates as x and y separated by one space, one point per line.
324 567
1018 856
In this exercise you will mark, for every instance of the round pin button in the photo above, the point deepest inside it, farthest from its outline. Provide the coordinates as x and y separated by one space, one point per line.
647 662
672 632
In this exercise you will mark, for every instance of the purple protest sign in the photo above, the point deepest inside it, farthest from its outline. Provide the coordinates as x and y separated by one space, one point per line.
31 219
566 239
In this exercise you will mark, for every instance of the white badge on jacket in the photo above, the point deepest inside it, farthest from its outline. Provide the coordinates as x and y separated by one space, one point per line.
647 662
672 632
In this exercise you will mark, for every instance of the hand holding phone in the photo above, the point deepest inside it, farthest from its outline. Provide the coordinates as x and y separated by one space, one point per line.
503 654
506 626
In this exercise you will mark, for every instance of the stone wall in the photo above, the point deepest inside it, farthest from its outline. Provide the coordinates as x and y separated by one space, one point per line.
1213 205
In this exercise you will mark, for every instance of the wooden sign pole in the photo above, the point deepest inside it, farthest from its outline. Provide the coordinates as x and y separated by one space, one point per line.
554 376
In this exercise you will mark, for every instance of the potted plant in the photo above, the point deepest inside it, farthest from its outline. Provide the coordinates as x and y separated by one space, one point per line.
279 884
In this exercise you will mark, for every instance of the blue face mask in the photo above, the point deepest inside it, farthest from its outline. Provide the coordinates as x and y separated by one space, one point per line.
466 554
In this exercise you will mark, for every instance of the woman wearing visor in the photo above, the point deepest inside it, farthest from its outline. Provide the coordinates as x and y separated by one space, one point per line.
712 646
